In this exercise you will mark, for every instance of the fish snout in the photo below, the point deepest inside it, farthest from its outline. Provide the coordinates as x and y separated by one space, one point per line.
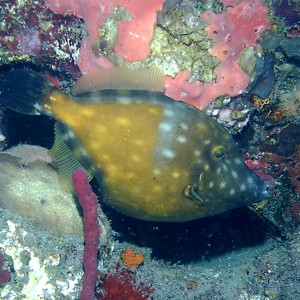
258 190
263 192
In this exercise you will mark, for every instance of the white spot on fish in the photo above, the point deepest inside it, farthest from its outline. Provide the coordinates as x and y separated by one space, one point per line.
206 167
115 191
112 169
165 126
65 136
206 142
183 126
224 167
181 139
156 171
168 153
222 185
175 174
135 158
83 152
202 127
197 153
243 187
70 134
169 113
238 161
211 184
232 192
122 121
153 111
218 171
138 142
104 157
157 188
136 190
124 100
250 180
234 174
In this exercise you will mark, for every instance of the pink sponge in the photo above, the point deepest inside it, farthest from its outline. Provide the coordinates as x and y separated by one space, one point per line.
133 36
4 275
239 25
232 30
88 201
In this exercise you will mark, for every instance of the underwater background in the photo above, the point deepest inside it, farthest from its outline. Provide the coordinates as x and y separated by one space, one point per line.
239 62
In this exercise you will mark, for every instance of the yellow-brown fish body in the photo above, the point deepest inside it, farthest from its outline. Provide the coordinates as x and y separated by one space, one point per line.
154 158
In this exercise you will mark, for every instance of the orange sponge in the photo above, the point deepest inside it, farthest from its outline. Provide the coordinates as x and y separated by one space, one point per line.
131 259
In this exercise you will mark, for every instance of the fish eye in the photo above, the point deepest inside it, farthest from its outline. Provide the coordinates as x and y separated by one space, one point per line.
219 152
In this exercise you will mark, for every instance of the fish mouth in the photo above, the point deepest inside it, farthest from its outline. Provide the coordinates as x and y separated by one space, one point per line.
195 192
192 191
261 193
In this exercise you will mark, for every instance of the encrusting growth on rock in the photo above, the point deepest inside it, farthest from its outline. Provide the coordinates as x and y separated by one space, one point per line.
131 259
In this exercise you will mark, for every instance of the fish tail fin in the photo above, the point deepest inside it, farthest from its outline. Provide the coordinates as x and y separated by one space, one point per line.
26 91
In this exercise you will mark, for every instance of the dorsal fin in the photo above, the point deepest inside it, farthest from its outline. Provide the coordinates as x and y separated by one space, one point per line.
64 159
150 79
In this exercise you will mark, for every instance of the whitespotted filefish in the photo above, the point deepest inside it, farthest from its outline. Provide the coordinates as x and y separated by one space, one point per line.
154 158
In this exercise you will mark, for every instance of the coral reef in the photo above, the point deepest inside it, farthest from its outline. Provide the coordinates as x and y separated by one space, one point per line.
29 184
288 10
276 161
41 265
231 31
229 57
134 33
241 30
289 101
4 275
31 33
233 112
121 285
180 43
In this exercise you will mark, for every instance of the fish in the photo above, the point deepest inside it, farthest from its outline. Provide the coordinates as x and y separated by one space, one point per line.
154 158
